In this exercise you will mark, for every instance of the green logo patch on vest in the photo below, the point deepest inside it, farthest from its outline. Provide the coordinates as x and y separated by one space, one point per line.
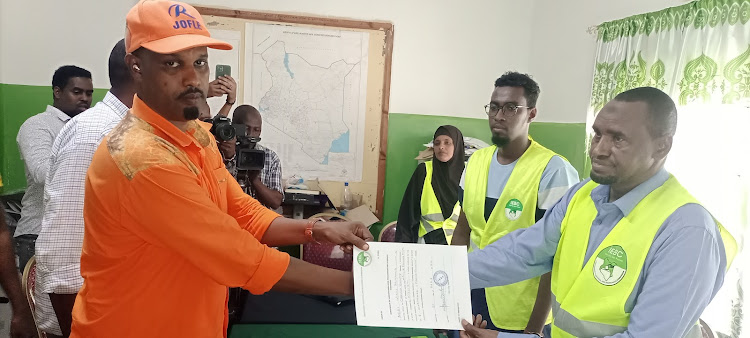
513 209
610 265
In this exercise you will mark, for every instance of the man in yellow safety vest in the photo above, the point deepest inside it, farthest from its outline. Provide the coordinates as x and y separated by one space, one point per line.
632 253
505 187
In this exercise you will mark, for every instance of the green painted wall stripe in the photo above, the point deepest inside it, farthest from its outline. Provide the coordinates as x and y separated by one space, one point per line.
18 103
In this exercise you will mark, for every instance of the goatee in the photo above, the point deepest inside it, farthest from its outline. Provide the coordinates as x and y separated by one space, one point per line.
603 180
500 141
191 113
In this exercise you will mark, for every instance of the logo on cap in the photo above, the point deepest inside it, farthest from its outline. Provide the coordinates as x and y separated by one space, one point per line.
183 23
179 9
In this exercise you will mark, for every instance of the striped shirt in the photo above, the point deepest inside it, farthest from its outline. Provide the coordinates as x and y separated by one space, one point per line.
35 140
58 248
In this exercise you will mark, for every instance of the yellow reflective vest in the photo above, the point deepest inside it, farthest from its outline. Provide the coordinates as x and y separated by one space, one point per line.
510 306
590 302
432 216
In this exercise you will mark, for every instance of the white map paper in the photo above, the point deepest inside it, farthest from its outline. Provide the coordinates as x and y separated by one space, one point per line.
310 86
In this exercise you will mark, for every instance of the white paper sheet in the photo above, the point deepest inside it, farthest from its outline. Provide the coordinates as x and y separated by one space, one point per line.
412 286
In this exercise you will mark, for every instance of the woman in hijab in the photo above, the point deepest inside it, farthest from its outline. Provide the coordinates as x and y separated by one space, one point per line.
430 208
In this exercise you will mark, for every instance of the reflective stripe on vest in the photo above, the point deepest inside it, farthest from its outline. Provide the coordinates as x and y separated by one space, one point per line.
432 215
573 327
473 246
569 326
590 297
510 306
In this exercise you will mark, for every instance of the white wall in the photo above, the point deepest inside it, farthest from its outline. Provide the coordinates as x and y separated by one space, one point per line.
37 37
446 53
562 53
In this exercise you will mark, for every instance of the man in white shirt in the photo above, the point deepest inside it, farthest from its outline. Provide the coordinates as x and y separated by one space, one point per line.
58 249
71 94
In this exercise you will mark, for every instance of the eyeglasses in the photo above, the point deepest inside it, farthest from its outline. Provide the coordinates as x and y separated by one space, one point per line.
509 109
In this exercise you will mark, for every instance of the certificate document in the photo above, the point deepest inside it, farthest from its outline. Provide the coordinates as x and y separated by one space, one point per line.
412 285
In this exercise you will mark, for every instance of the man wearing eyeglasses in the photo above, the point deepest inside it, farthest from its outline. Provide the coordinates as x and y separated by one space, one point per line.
509 186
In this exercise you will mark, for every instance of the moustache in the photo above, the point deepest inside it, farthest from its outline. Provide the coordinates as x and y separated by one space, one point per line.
191 90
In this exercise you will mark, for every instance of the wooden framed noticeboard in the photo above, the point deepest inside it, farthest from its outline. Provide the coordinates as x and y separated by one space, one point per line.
322 85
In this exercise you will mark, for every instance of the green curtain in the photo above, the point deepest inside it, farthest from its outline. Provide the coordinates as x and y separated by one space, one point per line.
699 54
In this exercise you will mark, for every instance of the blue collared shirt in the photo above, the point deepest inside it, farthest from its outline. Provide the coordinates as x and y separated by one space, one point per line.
683 271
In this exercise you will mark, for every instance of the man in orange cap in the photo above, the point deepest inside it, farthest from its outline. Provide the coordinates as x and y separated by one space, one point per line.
167 229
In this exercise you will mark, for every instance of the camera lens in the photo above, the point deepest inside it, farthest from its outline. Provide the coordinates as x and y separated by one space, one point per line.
225 132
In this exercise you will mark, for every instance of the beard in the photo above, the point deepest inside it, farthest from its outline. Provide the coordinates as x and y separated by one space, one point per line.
500 141
603 180
191 113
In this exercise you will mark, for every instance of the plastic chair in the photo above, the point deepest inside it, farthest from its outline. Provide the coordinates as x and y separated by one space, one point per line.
29 282
388 234
327 254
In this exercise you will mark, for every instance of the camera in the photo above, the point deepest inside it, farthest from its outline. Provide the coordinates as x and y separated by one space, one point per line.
222 128
248 158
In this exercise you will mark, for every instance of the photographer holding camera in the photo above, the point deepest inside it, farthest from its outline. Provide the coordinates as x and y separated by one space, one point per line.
256 168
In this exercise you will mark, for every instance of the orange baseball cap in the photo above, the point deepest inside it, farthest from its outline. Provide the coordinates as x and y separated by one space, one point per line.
167 27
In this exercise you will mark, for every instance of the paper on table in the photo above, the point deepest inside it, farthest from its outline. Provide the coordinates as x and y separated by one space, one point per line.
362 214
412 285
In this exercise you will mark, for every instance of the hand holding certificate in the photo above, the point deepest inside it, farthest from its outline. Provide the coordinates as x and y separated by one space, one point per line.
412 285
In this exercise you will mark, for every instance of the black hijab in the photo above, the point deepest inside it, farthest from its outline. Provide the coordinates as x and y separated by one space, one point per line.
447 175
445 179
